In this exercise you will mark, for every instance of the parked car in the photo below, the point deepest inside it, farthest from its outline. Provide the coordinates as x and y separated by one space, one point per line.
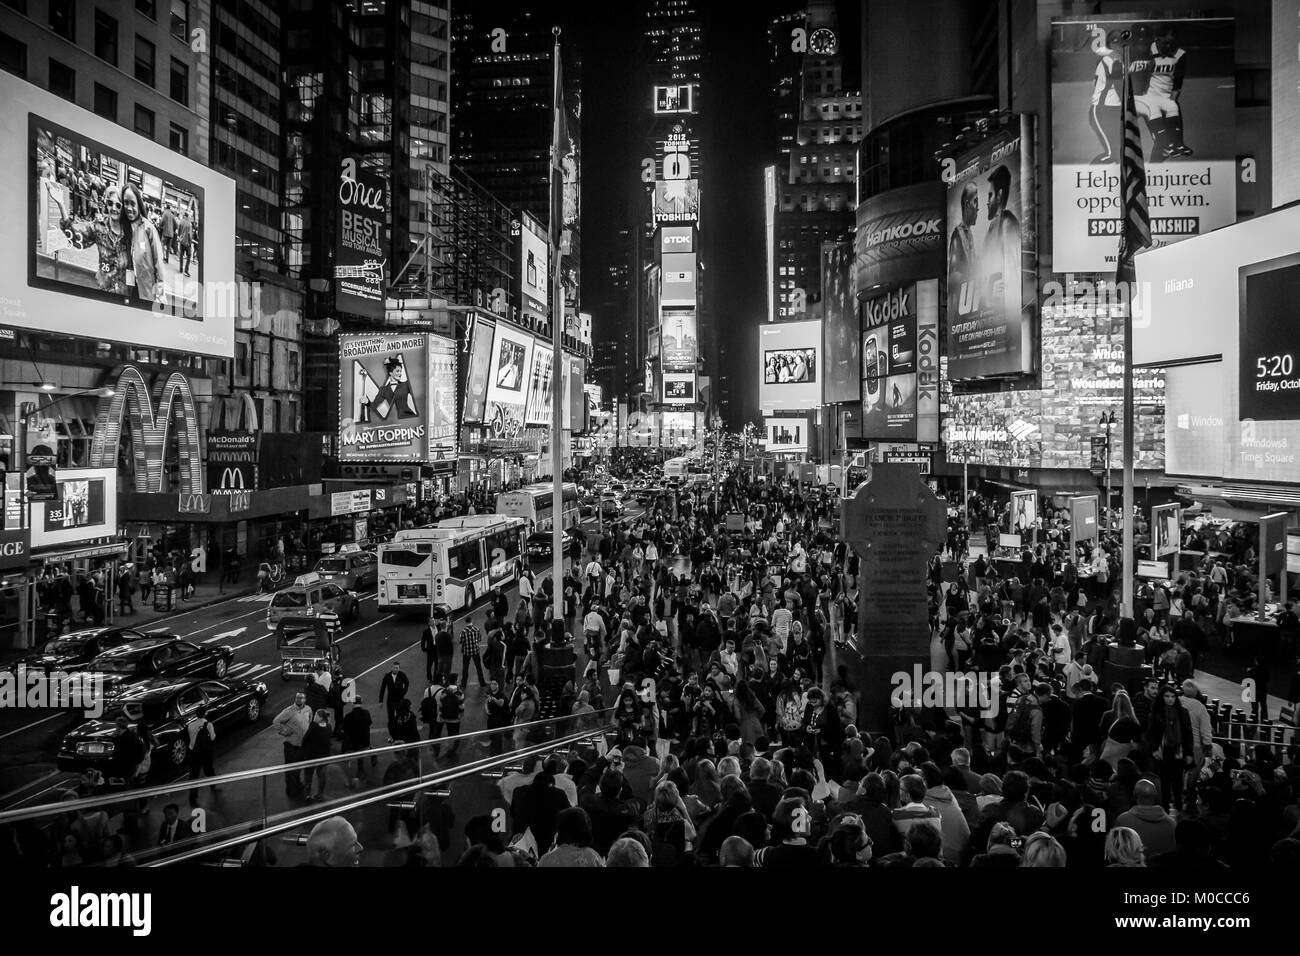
161 656
310 596
167 705
75 650
352 570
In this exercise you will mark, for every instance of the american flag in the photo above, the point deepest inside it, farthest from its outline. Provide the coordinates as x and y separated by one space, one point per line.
1136 231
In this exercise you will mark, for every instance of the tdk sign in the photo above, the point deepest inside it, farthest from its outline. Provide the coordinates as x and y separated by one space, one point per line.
676 239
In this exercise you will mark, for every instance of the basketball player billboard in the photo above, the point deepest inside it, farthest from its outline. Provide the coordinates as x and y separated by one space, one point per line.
1183 90
397 398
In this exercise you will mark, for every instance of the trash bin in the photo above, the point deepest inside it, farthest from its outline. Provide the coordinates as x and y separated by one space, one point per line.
164 597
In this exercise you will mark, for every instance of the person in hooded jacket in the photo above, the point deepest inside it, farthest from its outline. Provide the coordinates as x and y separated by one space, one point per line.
952 821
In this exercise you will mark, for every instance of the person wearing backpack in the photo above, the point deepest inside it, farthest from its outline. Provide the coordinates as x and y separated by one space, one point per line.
1025 727
451 704
429 710
202 736
668 825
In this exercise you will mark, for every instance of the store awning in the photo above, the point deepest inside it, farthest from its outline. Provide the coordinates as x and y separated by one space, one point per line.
102 550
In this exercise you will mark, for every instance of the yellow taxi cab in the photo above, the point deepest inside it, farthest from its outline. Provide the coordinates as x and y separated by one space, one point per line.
311 596
351 568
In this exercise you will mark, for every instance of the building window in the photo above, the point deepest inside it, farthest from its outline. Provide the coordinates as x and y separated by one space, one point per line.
241 359
144 121
180 19
144 60
105 37
180 82
178 138
63 80
293 368
63 18
13 55
147 7
105 102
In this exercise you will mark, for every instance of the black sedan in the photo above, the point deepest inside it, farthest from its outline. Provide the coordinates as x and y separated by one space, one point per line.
73 651
168 706
539 544
161 657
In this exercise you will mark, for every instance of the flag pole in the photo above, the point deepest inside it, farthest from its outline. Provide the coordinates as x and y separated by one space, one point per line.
557 356
1128 564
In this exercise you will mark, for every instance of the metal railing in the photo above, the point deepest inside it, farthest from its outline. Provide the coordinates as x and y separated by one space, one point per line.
244 802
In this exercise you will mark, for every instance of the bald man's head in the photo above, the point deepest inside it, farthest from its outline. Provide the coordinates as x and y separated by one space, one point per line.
970 203
333 842
736 851
1146 793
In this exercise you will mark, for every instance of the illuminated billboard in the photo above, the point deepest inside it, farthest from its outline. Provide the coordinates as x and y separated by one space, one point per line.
679 389
397 398
677 279
840 324
86 184
86 508
790 366
991 279
679 339
785 434
677 200
677 98
360 258
533 268
478 369
512 357
676 239
1183 90
541 384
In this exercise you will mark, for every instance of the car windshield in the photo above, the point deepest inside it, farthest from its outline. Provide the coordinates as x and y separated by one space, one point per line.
290 599
332 565
65 645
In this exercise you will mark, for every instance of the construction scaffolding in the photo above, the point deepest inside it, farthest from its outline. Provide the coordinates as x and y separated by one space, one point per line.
467 252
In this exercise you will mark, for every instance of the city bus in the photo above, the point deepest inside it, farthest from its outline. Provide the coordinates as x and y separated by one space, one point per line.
533 503
450 564
676 467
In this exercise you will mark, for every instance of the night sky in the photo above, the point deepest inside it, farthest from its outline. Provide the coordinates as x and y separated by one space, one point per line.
739 140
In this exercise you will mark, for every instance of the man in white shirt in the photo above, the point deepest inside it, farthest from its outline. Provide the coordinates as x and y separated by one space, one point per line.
781 619
526 588
594 573
593 631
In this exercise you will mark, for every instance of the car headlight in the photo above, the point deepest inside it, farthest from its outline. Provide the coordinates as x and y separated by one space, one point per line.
260 688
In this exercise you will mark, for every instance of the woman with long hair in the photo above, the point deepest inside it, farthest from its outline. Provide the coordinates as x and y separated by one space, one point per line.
105 233
750 712
790 707
1170 743
1124 848
1121 727
706 792
525 712
142 249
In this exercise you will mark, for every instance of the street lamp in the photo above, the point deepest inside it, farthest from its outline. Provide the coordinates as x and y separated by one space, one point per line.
1107 422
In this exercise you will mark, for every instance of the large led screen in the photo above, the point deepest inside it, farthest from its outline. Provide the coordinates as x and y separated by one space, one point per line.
86 508
840 317
125 240
507 384
397 397
478 370
790 376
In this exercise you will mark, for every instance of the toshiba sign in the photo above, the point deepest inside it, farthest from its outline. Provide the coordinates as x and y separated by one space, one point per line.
900 236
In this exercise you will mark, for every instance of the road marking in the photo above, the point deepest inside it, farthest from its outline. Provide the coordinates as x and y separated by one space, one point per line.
35 723
234 633
254 640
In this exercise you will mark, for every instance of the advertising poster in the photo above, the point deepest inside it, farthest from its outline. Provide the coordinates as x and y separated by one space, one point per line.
1183 74
1024 510
676 98
576 400
679 344
678 278
676 239
359 254
86 508
679 389
786 434
899 235
1083 518
927 361
397 398
1166 524
541 382
790 374
77 183
534 269
888 351
842 346
232 462
991 259
478 371
677 200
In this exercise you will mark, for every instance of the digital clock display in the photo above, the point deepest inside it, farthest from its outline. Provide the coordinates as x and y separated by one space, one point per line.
1269 362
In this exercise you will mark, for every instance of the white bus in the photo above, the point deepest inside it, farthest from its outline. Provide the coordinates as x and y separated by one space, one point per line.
450 564
534 503
675 468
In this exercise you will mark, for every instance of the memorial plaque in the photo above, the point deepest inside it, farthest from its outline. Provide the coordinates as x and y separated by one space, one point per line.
895 524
